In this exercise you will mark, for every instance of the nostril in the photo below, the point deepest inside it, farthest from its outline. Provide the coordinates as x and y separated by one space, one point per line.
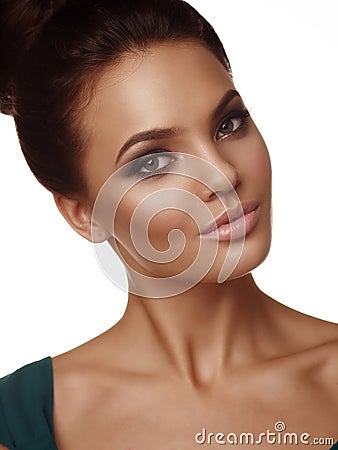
238 182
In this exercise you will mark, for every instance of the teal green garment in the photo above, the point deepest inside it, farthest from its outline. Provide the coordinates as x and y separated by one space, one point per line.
26 408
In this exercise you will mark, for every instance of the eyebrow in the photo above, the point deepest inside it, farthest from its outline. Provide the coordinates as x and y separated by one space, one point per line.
163 133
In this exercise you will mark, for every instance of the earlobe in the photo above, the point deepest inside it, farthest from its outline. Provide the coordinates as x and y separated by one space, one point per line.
78 215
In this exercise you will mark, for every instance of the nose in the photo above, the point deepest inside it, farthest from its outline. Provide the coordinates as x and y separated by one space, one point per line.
221 176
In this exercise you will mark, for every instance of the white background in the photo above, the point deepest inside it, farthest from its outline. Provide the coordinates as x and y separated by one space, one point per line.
54 295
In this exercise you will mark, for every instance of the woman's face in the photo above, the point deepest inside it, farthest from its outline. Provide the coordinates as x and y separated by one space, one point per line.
177 86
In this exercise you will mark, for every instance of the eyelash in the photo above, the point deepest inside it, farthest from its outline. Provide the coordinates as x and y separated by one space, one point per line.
134 171
242 114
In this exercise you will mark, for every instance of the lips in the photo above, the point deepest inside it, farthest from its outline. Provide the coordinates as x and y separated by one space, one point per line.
234 213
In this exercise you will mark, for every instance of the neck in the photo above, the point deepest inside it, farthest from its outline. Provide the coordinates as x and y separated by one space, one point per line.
201 332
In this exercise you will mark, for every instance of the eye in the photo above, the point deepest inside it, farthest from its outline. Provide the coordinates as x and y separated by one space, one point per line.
232 123
154 162
150 164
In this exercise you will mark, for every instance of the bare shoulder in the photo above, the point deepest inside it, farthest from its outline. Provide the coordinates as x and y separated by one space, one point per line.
318 375
303 331
323 362
310 349
79 388
79 379
319 358
323 340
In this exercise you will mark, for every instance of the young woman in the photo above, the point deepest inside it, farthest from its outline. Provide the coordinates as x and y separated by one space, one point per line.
130 107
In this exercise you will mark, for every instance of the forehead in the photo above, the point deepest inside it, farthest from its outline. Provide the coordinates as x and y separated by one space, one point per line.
157 87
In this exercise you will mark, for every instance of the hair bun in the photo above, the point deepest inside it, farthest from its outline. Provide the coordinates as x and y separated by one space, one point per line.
21 21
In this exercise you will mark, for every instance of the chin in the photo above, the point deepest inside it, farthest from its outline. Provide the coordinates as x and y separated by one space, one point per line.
255 250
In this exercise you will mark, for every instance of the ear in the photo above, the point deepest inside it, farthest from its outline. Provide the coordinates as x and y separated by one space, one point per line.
78 214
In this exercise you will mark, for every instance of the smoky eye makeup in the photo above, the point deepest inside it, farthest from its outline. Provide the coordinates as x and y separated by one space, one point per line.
158 161
151 164
238 120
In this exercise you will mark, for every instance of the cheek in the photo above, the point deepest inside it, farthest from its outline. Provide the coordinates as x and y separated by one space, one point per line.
262 165
153 217
255 164
166 221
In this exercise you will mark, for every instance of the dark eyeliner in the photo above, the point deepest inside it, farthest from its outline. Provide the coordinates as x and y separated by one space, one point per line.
134 170
243 114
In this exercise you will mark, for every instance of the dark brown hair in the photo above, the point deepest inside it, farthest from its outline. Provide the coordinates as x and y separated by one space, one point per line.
51 55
